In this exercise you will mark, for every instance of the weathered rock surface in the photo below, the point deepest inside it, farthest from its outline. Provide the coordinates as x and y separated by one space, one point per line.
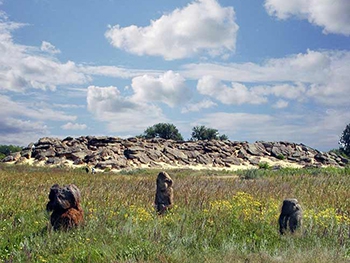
115 153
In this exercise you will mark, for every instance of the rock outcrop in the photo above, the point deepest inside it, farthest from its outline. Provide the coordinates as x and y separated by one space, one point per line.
116 153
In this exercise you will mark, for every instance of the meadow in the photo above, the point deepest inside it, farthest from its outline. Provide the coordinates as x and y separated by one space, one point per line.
218 216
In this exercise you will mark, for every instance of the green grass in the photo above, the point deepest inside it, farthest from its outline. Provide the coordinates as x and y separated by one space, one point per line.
217 218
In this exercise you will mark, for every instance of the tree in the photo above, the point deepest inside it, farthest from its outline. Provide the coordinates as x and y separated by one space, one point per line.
345 140
162 130
204 133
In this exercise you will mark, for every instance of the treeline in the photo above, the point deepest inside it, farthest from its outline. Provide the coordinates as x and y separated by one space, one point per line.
8 149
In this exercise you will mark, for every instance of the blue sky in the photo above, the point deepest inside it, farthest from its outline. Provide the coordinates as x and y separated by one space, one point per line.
255 70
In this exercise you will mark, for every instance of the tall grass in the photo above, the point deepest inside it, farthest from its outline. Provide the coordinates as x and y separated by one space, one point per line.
218 217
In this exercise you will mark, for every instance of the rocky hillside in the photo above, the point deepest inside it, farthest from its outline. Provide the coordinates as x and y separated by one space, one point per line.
115 153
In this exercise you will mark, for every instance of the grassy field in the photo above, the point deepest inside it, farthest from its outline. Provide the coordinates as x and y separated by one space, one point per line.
218 216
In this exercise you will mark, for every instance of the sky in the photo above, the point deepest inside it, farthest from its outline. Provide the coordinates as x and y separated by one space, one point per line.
268 70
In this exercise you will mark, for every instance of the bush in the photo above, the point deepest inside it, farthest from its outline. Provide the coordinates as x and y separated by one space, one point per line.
162 130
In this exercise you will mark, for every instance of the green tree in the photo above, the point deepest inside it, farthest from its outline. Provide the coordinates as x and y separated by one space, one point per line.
204 133
345 140
162 130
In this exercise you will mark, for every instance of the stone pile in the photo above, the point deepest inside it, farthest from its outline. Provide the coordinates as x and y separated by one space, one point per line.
116 153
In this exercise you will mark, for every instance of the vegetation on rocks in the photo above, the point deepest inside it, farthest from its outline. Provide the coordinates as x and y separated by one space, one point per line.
217 217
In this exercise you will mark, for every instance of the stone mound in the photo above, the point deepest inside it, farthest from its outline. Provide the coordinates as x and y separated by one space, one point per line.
116 153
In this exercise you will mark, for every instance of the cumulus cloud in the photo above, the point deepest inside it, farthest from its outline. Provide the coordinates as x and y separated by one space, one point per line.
236 94
317 75
121 113
195 107
203 25
332 15
73 126
168 88
49 48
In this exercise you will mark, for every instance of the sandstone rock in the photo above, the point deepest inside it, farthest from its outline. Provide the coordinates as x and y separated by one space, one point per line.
177 154
192 154
21 160
143 158
232 160
26 153
78 155
204 159
8 158
116 153
53 161
78 161
256 149
242 154
254 160
45 153
154 154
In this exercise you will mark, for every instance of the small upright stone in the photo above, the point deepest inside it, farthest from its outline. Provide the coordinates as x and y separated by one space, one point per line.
291 215
164 193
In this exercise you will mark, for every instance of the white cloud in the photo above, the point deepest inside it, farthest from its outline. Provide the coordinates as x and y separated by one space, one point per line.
168 88
49 48
236 94
195 107
203 25
318 75
122 114
118 72
312 66
280 104
332 15
288 91
22 67
73 126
